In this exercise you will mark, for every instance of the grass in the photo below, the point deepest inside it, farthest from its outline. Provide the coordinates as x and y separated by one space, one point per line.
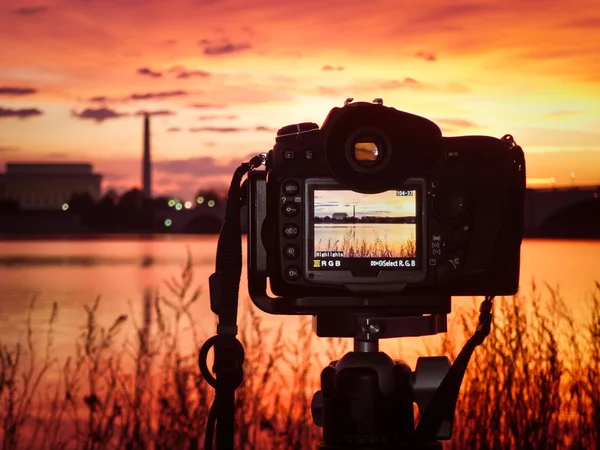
377 247
534 383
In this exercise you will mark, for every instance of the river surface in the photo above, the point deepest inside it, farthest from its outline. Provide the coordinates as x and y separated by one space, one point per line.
73 273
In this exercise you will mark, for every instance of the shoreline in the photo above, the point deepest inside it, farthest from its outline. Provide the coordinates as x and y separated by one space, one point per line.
154 236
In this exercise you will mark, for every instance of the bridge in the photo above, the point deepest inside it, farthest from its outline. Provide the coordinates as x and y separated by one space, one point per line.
540 206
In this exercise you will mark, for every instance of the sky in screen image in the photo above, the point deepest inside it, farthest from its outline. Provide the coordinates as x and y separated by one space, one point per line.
384 204
219 77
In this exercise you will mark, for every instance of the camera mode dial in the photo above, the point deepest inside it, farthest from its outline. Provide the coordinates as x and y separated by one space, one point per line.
295 130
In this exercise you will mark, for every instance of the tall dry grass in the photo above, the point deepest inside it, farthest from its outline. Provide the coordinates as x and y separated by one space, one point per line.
376 247
534 383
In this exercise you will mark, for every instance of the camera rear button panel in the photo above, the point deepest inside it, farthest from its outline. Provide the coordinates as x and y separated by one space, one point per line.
290 230
290 209
291 188
292 273
448 204
291 251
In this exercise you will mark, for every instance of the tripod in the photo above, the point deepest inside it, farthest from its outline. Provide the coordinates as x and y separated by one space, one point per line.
366 398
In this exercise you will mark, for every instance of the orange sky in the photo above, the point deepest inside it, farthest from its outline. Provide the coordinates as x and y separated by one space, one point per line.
384 204
223 75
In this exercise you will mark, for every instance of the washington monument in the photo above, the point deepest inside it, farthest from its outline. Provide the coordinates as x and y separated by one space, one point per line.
146 176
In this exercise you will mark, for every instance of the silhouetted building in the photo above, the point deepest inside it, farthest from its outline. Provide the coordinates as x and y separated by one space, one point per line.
47 185
340 216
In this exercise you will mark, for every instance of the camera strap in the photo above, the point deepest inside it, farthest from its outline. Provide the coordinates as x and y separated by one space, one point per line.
224 286
443 403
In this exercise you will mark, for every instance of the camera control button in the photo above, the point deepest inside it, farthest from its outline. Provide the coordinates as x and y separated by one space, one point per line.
291 188
288 154
452 155
290 209
290 230
292 273
448 205
460 235
446 272
291 252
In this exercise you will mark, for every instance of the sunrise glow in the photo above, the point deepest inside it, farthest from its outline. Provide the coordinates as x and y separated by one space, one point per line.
219 78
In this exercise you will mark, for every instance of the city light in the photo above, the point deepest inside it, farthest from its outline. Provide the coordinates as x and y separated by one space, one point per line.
200 200
178 206
168 222
172 203
211 203
188 205
65 206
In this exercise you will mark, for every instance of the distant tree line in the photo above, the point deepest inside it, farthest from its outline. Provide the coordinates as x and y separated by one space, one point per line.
127 212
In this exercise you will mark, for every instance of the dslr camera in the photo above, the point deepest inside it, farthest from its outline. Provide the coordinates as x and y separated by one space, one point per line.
376 212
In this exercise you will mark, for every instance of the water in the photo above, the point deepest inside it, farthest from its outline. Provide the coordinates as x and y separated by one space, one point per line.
119 270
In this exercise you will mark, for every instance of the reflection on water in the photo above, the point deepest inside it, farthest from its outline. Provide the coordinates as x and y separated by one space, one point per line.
74 273
76 260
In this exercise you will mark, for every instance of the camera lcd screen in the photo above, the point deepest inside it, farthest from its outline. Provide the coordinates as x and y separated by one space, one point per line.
365 232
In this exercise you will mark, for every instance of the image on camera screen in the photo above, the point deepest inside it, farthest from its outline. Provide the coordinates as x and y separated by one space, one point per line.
365 231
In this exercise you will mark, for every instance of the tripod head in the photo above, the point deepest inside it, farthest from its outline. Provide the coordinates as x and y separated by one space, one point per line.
366 398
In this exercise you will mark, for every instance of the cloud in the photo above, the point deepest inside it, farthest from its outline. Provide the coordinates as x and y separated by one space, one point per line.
22 113
328 91
149 72
212 48
158 95
159 112
427 56
99 115
456 123
584 22
216 129
183 74
443 14
173 130
207 106
400 84
264 128
328 68
198 167
217 117
230 129
140 96
8 149
30 10
11 90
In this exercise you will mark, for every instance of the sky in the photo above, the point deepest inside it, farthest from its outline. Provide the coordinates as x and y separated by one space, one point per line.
384 204
219 77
